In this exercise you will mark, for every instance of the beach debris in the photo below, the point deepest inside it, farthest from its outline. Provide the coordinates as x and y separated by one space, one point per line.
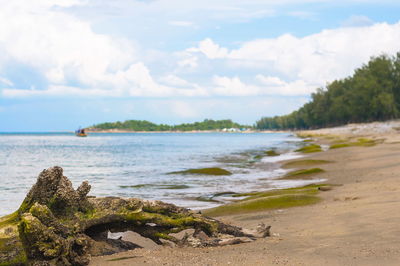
58 225
325 188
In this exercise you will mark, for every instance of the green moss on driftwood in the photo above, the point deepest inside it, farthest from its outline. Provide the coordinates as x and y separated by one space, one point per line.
203 171
58 225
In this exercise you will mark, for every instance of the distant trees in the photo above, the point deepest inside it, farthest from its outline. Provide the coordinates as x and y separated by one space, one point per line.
142 125
371 94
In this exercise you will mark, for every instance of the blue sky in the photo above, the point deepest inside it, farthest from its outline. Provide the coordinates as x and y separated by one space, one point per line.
71 63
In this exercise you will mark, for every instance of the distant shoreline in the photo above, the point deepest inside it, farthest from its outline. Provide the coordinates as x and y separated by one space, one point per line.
178 131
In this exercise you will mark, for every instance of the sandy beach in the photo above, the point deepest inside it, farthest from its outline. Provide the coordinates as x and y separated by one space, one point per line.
355 223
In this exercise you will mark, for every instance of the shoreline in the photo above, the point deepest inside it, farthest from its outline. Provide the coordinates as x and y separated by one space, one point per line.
354 223
191 131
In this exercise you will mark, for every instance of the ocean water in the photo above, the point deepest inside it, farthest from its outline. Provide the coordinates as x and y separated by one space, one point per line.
137 164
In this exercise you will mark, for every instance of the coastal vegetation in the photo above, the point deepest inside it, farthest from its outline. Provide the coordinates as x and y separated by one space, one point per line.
372 93
143 125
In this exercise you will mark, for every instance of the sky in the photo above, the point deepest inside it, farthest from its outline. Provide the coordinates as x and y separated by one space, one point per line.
71 63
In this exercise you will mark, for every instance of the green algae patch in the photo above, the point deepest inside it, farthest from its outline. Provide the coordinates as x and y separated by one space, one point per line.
272 153
9 220
302 172
300 163
11 252
203 171
361 142
310 148
157 186
267 200
262 204
311 189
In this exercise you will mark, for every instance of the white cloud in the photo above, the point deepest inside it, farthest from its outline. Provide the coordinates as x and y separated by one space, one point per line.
234 87
210 49
357 21
6 82
277 86
77 61
261 86
175 81
181 23
301 63
65 50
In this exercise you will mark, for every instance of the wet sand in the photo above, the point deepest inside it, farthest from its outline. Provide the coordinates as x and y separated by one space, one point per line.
356 223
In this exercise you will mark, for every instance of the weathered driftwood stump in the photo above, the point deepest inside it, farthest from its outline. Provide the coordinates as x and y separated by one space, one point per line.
57 225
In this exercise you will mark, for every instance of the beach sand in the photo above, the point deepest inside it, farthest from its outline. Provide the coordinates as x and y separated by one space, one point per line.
356 223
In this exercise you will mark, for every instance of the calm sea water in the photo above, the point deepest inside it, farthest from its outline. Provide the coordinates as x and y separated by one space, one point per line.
136 165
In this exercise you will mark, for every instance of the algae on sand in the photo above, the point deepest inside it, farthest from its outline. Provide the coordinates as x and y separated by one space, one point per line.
361 142
203 171
271 153
301 173
310 148
263 203
267 200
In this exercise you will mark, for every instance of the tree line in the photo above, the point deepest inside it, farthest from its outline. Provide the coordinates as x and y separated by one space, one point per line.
143 125
372 93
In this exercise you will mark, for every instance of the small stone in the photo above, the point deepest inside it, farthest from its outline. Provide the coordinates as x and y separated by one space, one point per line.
182 234
202 236
167 243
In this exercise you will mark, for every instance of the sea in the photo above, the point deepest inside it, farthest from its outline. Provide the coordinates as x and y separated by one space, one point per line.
140 164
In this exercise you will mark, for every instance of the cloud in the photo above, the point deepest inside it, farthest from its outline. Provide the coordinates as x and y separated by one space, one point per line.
210 49
71 57
5 81
276 86
181 23
75 60
260 86
357 21
234 87
300 64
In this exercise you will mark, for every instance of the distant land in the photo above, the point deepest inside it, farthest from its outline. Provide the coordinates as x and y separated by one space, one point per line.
146 126
372 93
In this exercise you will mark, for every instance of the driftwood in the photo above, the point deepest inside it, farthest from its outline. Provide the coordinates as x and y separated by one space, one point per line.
57 225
